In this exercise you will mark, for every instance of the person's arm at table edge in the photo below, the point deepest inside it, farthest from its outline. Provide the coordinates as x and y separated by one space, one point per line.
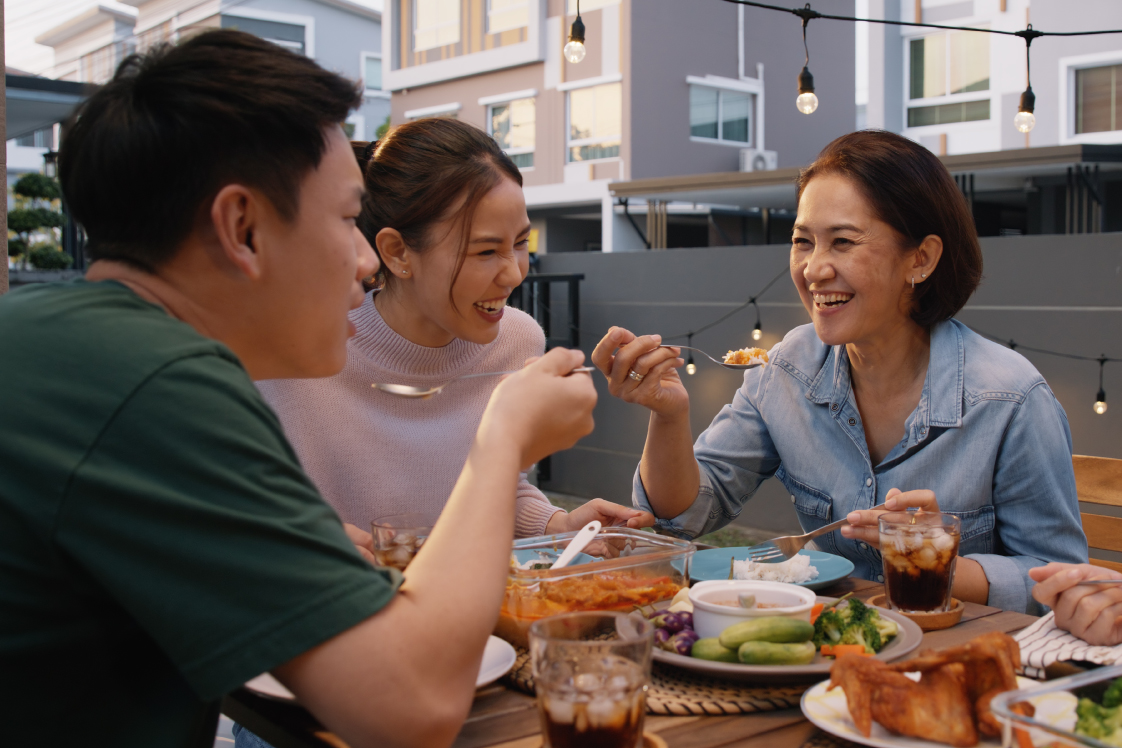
406 676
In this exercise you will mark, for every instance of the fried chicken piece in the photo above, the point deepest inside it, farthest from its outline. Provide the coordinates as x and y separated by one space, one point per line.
935 708
991 661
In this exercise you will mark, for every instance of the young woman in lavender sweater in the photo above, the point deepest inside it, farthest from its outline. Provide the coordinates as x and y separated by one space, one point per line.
444 209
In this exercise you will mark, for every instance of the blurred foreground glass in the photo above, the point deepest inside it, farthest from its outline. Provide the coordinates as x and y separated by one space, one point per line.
919 550
591 672
398 537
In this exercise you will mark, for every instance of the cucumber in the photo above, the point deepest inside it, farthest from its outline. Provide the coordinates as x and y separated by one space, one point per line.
770 653
777 630
711 649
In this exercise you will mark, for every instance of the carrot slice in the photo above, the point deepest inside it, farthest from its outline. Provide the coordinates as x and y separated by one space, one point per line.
816 611
1023 739
827 650
844 649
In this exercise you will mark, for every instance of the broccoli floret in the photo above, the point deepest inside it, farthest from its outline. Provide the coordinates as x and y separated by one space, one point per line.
1113 695
857 611
864 634
1100 722
828 627
887 628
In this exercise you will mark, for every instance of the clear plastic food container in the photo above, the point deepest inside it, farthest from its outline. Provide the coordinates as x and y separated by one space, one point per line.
1054 703
621 569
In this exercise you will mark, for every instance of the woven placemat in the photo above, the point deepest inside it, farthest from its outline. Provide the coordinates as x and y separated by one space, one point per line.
680 693
826 740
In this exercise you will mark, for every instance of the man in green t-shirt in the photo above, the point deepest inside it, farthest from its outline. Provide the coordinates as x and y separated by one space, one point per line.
159 542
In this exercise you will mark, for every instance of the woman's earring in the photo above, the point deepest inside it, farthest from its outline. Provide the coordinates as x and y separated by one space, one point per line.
913 282
923 275
405 272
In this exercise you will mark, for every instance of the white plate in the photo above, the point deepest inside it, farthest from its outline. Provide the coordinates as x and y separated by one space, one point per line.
498 659
828 711
904 643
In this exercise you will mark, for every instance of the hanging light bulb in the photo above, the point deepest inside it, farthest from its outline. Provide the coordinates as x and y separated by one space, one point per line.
1025 120
691 368
1100 396
574 51
757 331
807 101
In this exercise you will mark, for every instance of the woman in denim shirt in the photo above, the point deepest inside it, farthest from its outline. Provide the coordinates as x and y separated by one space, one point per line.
883 399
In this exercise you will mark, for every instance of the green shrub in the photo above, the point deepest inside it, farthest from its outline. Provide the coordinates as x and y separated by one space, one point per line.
16 247
37 187
382 129
48 257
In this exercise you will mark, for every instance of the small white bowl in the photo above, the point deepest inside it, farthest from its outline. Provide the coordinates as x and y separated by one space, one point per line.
710 617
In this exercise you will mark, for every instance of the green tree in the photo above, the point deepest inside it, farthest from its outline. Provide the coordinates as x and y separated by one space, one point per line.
34 222
382 129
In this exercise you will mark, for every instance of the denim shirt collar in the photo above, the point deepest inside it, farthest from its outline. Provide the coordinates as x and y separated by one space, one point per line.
940 405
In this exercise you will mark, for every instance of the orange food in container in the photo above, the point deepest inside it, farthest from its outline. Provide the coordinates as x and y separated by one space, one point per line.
621 569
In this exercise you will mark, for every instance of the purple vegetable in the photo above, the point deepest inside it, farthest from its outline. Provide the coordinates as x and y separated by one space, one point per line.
672 622
661 636
682 642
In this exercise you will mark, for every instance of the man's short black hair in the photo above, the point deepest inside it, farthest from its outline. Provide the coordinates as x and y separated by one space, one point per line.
148 152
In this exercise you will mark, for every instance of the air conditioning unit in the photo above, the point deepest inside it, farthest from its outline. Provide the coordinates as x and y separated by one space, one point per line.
753 159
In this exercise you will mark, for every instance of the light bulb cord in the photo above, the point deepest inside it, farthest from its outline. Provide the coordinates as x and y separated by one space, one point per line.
806 48
757 306
1102 367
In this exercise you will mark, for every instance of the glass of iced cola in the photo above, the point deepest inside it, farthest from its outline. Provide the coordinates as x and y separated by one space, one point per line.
591 672
398 537
919 551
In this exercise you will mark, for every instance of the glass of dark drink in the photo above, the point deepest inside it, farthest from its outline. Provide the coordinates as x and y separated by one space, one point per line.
591 672
919 551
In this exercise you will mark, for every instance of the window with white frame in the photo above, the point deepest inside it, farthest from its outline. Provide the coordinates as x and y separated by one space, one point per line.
288 35
371 71
505 15
435 23
1098 99
595 122
946 71
718 114
511 124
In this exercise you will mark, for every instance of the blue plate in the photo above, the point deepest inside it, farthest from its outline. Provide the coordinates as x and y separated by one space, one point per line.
522 556
714 564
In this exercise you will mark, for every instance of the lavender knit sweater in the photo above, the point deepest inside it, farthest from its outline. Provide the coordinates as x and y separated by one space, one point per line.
373 454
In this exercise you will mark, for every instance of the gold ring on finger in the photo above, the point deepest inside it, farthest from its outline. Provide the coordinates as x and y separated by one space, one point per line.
634 375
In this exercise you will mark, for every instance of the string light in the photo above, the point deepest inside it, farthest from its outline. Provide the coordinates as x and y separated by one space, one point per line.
757 331
691 367
574 50
807 102
1024 120
1100 397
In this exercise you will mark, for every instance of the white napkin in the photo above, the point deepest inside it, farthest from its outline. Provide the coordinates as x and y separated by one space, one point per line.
1043 643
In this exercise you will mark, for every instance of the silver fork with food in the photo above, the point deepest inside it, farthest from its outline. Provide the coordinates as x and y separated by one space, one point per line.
787 546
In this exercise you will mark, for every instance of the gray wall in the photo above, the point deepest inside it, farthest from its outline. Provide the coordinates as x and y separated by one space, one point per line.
1053 292
676 38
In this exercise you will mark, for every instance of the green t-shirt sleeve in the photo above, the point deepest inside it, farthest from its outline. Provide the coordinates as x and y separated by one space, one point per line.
192 511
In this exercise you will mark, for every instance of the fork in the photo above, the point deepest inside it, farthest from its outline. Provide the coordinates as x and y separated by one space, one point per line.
788 545
423 393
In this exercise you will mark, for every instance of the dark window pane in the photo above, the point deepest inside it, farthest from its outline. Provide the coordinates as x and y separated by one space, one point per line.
735 109
945 114
523 160
703 112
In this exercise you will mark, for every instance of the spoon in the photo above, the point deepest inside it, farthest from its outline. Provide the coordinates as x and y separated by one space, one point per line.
423 393
577 544
738 367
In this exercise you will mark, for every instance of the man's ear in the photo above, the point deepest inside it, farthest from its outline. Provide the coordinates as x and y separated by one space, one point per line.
235 214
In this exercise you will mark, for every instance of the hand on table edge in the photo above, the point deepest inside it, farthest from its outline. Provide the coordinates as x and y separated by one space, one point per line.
1091 613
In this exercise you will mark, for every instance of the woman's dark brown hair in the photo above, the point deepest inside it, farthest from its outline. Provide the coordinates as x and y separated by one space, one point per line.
417 174
912 192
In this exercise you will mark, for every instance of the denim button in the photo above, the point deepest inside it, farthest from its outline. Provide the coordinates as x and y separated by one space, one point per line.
852 421
834 406
868 481
792 498
864 547
880 577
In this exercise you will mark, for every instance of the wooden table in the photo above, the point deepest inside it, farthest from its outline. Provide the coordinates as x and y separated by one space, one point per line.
504 718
